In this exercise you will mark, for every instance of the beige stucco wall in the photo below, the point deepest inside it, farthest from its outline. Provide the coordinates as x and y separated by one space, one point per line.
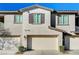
38 29
14 29
69 28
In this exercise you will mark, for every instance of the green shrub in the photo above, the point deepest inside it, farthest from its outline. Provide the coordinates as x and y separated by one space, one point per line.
61 49
22 49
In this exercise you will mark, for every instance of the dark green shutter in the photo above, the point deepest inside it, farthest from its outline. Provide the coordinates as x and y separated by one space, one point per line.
31 18
42 18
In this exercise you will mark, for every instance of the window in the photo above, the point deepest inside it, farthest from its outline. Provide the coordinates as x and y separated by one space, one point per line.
36 18
18 19
63 20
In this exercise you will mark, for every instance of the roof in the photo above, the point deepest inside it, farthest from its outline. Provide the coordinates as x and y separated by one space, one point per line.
35 6
59 30
68 11
52 28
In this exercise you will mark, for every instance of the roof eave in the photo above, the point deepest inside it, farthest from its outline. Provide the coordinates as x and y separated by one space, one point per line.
34 6
67 12
10 12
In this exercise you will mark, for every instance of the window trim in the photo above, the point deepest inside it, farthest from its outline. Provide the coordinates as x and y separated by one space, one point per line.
63 20
19 19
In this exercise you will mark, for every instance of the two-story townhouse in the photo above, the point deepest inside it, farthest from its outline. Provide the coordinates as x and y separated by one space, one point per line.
42 28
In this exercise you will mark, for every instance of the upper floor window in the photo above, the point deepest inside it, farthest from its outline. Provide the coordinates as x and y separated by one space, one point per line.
63 20
18 19
36 18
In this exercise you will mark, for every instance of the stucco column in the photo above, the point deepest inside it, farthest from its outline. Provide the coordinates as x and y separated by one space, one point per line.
60 39
23 35
23 39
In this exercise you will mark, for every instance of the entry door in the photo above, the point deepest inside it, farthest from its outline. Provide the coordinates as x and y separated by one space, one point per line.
29 43
67 43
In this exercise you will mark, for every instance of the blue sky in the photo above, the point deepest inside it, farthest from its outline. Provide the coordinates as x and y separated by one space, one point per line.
56 6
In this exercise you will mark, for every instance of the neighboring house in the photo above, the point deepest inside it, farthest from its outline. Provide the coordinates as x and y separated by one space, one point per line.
42 28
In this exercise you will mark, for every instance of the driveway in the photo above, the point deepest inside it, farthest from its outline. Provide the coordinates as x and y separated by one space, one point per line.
42 52
51 52
72 52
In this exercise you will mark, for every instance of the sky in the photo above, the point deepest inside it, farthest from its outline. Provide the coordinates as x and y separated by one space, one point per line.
56 6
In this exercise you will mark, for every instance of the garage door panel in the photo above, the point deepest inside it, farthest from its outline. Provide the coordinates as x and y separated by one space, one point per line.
44 43
74 42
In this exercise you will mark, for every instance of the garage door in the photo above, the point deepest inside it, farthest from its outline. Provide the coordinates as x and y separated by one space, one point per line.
42 43
74 43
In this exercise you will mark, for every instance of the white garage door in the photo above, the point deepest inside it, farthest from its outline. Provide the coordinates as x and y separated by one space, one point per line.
43 43
74 43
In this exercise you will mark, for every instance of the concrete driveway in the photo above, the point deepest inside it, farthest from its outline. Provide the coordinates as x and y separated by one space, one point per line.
51 52
42 52
72 52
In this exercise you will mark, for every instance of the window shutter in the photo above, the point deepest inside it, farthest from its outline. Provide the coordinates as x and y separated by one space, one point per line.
42 18
31 18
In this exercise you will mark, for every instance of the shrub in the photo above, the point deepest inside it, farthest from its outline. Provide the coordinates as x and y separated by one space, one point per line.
61 49
22 49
